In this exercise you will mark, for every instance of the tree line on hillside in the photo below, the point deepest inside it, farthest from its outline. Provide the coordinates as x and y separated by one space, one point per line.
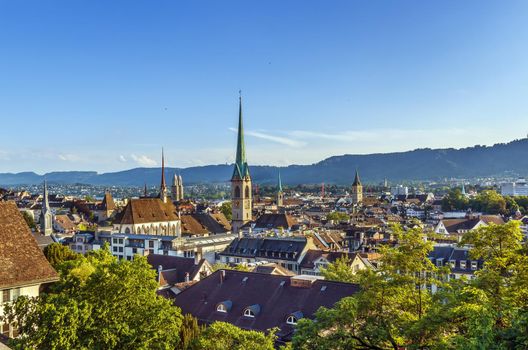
487 201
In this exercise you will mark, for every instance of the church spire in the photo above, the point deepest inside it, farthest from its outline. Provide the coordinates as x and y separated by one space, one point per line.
163 185
279 183
356 180
241 168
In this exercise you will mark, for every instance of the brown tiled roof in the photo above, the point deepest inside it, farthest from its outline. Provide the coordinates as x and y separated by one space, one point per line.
65 222
495 219
275 221
175 263
276 297
146 210
108 202
189 225
21 260
273 268
454 225
313 254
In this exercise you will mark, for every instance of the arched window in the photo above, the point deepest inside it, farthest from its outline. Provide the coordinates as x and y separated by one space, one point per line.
237 192
247 191
249 313
127 230
291 320
221 308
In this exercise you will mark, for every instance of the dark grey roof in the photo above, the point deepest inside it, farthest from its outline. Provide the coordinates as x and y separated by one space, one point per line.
268 247
275 296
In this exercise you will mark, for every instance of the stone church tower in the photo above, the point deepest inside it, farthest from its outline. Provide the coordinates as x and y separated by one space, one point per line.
357 190
46 216
241 191
177 188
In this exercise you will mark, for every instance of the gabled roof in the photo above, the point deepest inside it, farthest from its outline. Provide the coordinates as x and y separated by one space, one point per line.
108 202
267 247
275 296
455 225
272 220
147 210
21 260
175 267
313 254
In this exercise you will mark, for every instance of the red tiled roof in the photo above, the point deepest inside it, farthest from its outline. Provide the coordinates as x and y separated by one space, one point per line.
21 260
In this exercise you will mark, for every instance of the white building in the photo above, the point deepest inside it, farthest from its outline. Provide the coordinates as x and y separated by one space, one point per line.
400 190
518 188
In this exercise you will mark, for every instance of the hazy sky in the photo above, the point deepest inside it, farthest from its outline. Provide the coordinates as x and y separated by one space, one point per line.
103 85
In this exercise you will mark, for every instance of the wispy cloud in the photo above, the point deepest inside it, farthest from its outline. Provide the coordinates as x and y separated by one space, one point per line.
68 157
122 158
143 160
288 141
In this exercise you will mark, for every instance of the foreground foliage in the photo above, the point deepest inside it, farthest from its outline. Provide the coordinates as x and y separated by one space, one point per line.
99 303
392 312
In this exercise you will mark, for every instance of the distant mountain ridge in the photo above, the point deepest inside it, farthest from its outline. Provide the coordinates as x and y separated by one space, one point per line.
421 164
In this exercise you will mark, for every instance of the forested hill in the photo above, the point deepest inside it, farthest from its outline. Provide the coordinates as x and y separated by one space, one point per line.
420 164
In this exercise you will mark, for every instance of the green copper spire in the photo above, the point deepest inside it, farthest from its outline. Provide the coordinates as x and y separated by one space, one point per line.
241 168
279 184
356 179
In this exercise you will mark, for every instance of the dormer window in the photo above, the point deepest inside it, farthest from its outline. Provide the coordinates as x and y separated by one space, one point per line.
291 320
474 265
249 313
221 308
294 317
252 311
224 306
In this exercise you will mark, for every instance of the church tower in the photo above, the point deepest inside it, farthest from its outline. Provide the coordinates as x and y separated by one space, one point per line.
280 194
357 190
46 217
163 185
240 183
180 186
175 188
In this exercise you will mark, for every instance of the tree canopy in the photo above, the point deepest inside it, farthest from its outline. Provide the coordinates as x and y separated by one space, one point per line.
99 303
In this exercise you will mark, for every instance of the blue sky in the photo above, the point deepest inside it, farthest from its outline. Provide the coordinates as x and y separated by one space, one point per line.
103 85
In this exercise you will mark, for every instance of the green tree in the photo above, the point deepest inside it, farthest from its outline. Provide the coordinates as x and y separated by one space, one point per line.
455 200
340 270
223 336
189 332
225 208
388 310
99 303
337 216
29 220
57 253
490 202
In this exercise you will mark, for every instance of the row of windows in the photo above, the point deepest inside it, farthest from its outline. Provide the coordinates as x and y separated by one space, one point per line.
250 313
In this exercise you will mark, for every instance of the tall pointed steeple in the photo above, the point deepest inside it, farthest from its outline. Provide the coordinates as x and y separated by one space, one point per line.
280 194
356 179
241 189
241 168
163 185
46 216
357 190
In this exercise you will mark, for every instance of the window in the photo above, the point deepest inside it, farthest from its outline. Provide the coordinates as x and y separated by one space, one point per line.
120 249
6 295
291 320
221 308
114 240
247 191
5 329
114 249
452 263
473 265
249 313
120 240
151 244
237 192
463 265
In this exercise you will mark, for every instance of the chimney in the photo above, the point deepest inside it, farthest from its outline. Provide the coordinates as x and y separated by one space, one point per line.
160 268
222 276
186 277
197 256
